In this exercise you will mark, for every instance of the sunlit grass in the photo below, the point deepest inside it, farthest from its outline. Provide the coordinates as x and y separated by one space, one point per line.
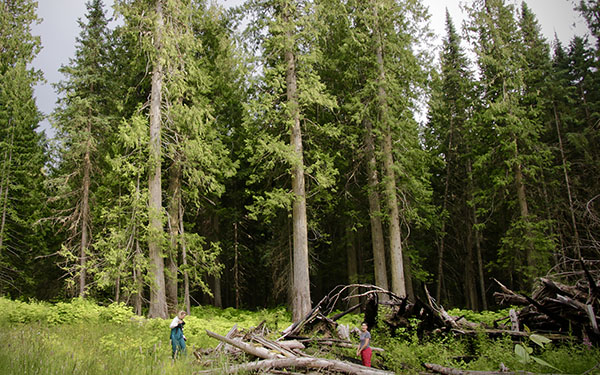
86 349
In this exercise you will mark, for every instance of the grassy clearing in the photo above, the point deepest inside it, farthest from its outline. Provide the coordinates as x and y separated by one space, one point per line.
83 338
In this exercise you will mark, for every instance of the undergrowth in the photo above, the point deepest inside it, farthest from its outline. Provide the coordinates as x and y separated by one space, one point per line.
82 337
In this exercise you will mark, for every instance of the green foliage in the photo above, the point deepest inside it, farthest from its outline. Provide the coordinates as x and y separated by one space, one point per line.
487 317
76 311
524 351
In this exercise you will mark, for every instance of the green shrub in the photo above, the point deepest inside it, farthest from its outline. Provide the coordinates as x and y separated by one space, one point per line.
487 317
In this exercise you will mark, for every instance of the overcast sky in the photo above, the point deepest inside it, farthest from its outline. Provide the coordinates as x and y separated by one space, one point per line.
59 29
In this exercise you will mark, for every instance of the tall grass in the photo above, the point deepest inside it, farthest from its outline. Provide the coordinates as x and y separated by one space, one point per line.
108 348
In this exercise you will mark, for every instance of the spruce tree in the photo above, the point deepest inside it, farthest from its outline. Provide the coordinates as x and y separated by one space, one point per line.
288 87
512 134
450 118
22 150
82 125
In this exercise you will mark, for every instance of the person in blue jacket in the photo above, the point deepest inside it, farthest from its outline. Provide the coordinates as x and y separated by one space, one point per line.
177 337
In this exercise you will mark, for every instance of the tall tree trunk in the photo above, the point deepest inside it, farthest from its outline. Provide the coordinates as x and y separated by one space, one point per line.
440 278
475 225
524 210
186 276
301 303
85 212
236 268
377 240
137 279
174 219
470 286
158 299
396 256
352 261
5 181
567 183
137 274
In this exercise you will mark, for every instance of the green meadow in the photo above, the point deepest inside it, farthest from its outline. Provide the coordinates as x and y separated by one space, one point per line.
82 337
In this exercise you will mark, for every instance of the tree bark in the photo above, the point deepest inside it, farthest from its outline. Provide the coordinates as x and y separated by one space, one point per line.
396 256
453 371
5 181
85 211
304 362
259 352
567 182
440 278
301 278
377 239
174 226
352 264
158 299
186 277
470 285
476 231
236 268
137 277
524 210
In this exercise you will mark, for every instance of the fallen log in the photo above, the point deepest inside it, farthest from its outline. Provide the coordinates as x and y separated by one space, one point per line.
332 342
304 363
276 347
454 371
232 332
248 348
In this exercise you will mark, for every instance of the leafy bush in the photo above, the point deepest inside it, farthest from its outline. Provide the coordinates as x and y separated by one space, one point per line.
487 317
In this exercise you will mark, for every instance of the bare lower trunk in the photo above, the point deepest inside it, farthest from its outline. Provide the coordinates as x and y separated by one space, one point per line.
137 279
352 264
137 274
301 279
567 184
236 271
475 226
524 210
5 182
174 220
470 286
377 239
186 277
158 299
441 249
85 217
479 262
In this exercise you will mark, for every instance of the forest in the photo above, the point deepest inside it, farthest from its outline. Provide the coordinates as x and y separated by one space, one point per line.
259 156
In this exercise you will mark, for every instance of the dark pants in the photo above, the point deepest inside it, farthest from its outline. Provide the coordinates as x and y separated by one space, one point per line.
178 345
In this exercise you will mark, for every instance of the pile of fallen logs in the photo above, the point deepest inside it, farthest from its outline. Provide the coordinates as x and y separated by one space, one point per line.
556 310
275 355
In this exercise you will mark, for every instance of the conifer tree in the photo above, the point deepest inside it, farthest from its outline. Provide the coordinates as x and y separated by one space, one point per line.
290 86
22 149
450 118
513 134
82 124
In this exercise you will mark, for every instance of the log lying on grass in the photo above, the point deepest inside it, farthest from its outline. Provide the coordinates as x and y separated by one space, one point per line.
309 363
278 355
454 371
259 352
